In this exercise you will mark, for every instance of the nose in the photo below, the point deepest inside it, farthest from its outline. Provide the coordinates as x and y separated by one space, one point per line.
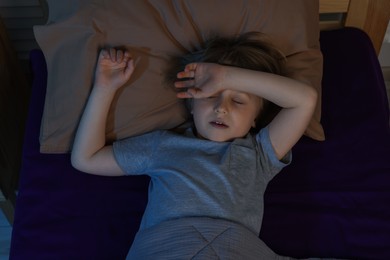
221 106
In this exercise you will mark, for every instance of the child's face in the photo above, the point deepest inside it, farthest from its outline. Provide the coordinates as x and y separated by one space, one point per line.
226 116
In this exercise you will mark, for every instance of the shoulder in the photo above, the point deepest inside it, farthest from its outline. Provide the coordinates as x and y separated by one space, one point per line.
148 140
267 152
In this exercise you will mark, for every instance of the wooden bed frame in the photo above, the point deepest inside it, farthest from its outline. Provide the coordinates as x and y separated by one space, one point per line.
372 16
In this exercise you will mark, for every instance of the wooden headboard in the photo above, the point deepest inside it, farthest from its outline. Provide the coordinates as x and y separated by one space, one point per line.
372 16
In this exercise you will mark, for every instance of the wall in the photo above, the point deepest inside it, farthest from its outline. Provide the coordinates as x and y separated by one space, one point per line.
19 17
384 55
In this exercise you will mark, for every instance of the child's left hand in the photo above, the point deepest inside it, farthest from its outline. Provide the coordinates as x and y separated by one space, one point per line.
114 68
201 80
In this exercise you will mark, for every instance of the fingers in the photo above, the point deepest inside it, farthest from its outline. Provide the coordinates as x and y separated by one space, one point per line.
191 67
115 55
190 93
184 95
112 54
189 89
189 83
189 71
104 54
185 83
129 69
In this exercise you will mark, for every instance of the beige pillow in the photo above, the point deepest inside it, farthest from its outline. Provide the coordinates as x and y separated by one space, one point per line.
153 30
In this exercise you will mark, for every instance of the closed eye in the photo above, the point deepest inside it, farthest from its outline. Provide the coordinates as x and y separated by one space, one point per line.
238 101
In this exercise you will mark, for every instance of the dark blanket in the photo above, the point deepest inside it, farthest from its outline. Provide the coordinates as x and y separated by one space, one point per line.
332 201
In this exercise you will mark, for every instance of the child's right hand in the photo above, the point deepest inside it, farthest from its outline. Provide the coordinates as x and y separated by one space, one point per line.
114 68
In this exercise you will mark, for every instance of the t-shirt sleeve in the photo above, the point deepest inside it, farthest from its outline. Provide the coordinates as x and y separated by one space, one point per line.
134 155
269 160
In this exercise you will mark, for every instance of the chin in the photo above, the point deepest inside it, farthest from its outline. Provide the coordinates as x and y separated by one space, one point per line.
221 139
218 137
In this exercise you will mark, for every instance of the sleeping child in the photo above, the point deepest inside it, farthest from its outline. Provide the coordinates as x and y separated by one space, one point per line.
208 181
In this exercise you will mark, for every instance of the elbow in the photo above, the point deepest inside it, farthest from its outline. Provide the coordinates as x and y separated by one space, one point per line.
311 98
74 161
77 162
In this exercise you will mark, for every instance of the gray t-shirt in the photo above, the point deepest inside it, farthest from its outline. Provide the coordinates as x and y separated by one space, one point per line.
192 177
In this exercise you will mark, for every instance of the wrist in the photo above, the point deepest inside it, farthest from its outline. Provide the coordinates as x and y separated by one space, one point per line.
229 78
104 89
102 93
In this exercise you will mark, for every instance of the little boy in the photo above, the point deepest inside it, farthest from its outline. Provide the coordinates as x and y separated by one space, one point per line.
207 185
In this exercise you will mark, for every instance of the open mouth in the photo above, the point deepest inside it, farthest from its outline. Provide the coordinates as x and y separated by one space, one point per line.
218 124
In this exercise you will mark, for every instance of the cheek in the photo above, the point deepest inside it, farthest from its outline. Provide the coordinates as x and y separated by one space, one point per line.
194 107
200 106
190 105
253 114
246 117
258 108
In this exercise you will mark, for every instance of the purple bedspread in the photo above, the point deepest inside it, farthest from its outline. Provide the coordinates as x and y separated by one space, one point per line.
333 201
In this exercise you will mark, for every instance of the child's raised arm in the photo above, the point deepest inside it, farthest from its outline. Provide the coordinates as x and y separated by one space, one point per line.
89 153
296 99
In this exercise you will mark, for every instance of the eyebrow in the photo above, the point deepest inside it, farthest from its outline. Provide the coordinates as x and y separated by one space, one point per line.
241 94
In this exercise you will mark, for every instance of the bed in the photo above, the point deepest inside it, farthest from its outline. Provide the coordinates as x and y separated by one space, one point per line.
332 201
